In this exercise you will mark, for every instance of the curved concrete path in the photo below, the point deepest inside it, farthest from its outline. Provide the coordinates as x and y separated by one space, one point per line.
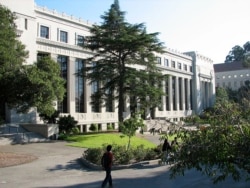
58 166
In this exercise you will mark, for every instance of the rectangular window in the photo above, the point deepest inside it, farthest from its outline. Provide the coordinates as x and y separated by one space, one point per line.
63 62
26 23
179 65
79 86
167 95
166 63
185 67
191 69
44 32
158 60
96 100
94 92
63 36
173 64
79 40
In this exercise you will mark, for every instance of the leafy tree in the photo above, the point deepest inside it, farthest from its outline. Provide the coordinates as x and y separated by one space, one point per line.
220 150
240 54
236 54
42 85
246 46
217 151
118 46
243 96
129 126
25 86
12 54
246 60
50 118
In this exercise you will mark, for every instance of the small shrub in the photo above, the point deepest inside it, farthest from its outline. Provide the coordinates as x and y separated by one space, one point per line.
66 124
94 155
62 136
110 127
75 130
140 153
93 127
122 155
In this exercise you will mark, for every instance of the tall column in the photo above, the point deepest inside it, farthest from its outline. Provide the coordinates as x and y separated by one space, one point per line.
177 93
170 93
188 95
183 93
163 97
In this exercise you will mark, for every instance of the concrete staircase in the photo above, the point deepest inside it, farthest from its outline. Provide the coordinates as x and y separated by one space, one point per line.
15 134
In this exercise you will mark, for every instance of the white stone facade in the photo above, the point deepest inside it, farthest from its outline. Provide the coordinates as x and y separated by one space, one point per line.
190 87
231 75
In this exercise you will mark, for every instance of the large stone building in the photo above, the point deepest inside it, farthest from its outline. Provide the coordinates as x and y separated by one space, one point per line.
189 89
231 75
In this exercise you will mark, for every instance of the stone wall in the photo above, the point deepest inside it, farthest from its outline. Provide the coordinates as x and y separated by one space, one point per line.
46 130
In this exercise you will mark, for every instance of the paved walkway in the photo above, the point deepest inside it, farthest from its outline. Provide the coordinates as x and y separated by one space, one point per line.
58 165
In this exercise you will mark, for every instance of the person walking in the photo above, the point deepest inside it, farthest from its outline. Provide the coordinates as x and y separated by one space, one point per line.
166 148
107 161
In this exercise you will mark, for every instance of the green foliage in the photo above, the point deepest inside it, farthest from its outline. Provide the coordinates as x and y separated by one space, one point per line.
118 45
110 127
94 155
62 136
129 126
246 61
50 119
25 86
46 84
217 151
122 156
93 127
12 55
220 150
240 54
67 124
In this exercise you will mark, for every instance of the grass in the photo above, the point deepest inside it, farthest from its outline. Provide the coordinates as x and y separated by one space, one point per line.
100 139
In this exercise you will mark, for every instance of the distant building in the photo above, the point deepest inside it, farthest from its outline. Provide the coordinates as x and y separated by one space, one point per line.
231 75
189 89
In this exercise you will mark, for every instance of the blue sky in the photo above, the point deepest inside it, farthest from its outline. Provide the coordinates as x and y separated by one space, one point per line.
211 27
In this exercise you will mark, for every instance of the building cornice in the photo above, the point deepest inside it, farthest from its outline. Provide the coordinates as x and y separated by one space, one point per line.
62 16
46 42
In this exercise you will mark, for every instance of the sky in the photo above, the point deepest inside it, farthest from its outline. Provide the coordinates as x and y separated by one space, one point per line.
210 27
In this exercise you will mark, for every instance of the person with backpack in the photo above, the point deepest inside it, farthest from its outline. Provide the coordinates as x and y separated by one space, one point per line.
107 160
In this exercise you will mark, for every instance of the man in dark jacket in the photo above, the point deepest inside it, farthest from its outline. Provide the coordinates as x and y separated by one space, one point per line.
107 167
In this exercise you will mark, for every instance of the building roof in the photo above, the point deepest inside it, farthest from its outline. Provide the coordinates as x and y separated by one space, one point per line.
224 67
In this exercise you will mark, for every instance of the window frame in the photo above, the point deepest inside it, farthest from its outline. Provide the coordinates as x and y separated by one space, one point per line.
48 32
78 43
65 38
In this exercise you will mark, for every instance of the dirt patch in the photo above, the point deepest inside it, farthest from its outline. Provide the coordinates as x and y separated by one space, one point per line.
12 159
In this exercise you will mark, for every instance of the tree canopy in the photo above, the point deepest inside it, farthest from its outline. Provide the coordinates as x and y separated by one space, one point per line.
119 46
12 55
220 150
25 86
239 54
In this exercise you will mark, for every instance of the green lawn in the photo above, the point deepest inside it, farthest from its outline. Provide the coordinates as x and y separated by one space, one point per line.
97 140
